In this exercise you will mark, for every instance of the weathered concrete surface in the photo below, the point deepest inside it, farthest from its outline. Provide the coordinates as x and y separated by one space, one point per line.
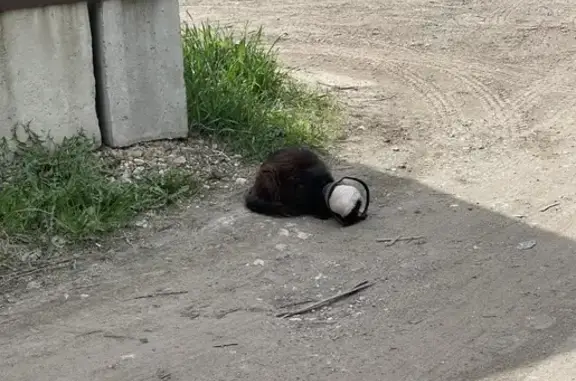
139 66
46 74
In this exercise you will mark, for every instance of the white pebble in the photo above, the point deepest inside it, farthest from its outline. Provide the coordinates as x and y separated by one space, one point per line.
179 160
303 235
33 285
259 262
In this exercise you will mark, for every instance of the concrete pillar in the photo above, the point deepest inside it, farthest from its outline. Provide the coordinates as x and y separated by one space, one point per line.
46 72
139 71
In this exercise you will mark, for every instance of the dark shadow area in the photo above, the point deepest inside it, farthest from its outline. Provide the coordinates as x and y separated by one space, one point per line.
462 303
473 298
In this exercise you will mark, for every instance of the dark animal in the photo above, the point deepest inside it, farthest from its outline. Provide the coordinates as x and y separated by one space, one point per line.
290 182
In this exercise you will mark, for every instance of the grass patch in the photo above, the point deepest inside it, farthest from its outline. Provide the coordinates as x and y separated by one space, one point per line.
69 191
238 92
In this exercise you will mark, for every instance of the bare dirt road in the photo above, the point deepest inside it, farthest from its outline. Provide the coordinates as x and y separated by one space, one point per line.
463 116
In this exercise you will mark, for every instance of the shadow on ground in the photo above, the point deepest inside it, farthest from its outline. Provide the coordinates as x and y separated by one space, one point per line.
483 294
470 299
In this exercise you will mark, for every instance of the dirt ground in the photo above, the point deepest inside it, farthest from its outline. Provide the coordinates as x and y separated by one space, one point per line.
462 121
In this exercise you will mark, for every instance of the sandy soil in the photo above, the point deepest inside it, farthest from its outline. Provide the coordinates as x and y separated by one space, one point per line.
462 120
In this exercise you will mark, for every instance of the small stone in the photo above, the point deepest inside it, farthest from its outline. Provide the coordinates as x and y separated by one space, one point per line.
33 285
284 232
126 176
241 181
138 161
179 160
259 262
541 322
280 247
526 245
58 241
303 235
136 153
216 175
141 223
395 149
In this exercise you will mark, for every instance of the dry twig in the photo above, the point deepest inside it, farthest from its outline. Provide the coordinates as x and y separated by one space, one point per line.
121 337
338 87
225 345
294 304
359 287
50 265
166 293
89 333
548 207
392 241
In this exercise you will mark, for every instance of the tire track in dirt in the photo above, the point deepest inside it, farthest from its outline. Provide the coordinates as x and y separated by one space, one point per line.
490 100
509 110
505 111
567 111
521 104
502 14
531 97
494 104
555 119
442 105
503 115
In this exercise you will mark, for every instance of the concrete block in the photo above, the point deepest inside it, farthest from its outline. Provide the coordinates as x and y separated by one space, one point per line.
46 72
139 71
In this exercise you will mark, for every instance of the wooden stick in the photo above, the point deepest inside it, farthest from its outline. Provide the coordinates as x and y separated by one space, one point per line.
339 87
359 287
51 265
399 238
225 345
167 293
547 207
294 304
